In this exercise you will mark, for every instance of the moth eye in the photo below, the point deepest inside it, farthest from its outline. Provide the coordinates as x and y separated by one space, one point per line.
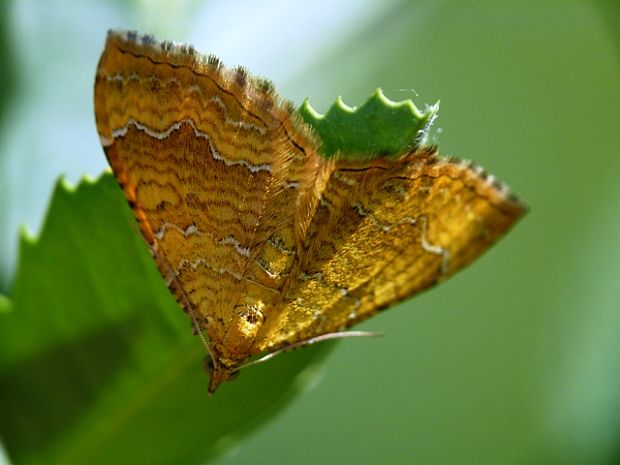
208 365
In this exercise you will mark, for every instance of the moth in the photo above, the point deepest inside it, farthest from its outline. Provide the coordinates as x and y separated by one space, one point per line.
265 243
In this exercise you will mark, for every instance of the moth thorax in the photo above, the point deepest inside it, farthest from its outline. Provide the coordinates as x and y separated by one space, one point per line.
244 328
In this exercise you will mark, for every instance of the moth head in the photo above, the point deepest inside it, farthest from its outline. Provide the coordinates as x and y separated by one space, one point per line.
218 373
227 356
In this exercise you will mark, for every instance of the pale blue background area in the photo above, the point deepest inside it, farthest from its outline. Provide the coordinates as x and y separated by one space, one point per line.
515 360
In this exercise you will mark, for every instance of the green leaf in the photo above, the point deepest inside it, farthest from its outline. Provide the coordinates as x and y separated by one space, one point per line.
97 362
5 304
379 127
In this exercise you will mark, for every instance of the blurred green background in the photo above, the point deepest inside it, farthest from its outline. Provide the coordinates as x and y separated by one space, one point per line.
516 360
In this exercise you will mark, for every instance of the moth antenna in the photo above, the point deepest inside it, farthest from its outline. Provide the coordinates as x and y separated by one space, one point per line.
312 340
186 303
